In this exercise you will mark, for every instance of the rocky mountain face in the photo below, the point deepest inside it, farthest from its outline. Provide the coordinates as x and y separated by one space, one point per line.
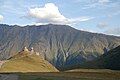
61 45
27 61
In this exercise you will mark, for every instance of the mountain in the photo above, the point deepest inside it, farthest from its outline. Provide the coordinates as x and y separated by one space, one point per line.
27 61
110 60
61 45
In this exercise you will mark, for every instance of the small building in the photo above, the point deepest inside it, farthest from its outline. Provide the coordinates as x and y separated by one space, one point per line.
26 49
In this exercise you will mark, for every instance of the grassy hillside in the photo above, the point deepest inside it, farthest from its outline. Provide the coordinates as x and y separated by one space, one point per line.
26 62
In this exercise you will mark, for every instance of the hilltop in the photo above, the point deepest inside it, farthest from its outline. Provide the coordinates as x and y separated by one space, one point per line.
27 61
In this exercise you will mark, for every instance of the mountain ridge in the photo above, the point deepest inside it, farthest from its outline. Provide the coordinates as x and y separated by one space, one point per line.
59 25
61 45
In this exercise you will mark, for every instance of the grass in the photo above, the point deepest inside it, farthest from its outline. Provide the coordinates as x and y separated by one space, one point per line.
82 75
32 77
29 63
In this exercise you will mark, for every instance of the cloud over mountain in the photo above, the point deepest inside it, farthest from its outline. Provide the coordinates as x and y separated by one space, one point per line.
48 13
102 25
113 31
51 14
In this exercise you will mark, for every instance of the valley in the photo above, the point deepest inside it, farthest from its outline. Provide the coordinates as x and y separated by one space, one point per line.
59 39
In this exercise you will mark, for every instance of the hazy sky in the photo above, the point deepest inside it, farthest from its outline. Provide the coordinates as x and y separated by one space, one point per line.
102 16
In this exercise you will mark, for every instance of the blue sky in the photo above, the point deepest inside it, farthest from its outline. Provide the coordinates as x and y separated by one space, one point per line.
101 16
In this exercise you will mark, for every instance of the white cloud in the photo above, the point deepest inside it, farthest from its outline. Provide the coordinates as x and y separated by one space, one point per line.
51 14
82 18
114 14
1 17
103 1
113 31
107 29
98 4
102 25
